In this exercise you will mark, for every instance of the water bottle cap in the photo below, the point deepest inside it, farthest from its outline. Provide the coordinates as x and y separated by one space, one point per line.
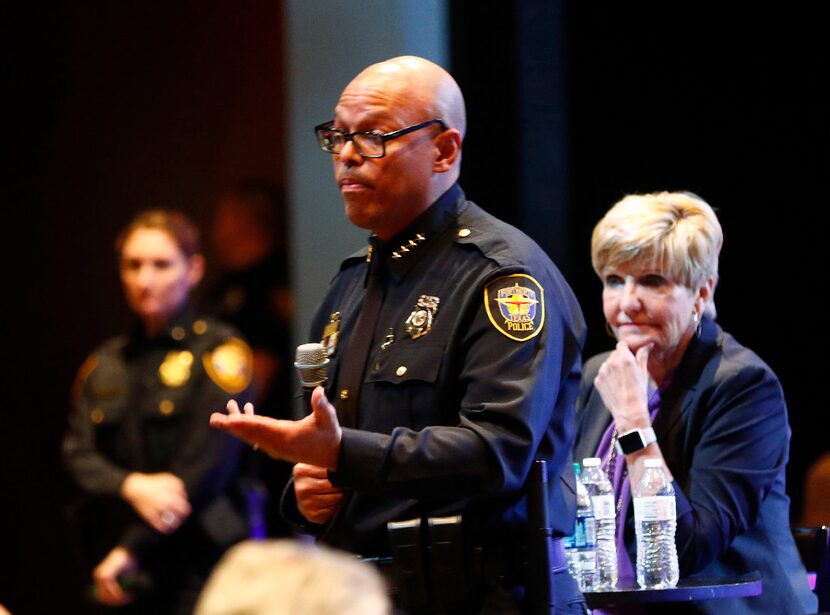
651 462
591 462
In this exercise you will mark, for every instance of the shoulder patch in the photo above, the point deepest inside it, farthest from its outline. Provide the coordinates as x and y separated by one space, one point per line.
84 371
230 365
515 305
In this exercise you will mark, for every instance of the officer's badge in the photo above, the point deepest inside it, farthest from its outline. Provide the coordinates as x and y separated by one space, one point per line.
331 334
420 320
175 370
515 305
230 365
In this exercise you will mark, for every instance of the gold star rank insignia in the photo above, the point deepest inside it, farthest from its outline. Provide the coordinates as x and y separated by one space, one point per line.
230 365
515 305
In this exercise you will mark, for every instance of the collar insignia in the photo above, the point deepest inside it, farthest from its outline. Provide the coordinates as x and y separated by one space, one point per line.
406 248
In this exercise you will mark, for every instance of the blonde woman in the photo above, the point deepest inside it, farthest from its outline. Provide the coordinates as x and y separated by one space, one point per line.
678 388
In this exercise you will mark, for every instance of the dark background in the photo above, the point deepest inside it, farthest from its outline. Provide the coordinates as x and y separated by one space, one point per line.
118 106
727 103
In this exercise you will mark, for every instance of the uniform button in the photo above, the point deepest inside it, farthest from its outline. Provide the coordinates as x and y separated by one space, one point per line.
177 333
344 394
401 370
465 232
166 407
199 327
96 416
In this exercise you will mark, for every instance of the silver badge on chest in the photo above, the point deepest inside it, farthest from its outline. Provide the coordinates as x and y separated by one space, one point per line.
420 320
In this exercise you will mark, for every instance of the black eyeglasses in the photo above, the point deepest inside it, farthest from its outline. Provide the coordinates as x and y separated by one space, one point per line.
367 144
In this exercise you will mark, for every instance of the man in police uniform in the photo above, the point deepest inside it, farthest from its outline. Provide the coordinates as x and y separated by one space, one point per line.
464 371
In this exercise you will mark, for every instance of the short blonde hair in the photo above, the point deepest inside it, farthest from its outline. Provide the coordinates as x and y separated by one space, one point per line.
678 233
286 577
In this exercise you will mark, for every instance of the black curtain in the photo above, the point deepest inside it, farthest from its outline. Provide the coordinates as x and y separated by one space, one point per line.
727 103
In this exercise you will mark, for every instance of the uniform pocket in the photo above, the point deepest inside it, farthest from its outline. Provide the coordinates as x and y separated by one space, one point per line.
406 363
401 387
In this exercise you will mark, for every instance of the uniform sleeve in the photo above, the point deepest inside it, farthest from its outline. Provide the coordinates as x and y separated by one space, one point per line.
91 470
742 449
513 395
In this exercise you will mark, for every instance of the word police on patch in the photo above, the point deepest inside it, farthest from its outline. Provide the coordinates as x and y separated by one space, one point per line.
515 305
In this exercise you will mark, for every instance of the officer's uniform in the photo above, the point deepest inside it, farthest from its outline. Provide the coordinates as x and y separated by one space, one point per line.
143 405
472 374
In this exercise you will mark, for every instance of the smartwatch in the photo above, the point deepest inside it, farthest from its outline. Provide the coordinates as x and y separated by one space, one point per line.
635 440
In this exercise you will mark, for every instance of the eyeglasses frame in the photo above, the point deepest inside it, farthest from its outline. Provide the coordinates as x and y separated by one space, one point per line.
384 136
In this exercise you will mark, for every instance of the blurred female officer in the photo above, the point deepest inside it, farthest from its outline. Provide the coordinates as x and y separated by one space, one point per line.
159 505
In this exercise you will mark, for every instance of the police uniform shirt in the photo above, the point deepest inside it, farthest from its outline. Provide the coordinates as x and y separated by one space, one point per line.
472 374
143 405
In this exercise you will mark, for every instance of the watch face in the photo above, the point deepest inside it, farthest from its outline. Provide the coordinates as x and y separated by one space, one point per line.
631 442
636 440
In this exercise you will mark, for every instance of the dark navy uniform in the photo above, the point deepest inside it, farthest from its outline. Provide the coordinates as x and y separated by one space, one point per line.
472 374
142 405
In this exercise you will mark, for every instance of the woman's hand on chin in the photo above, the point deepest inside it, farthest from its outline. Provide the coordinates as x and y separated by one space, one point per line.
622 382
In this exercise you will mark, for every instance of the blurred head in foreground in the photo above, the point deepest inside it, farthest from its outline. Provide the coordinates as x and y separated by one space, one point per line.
286 577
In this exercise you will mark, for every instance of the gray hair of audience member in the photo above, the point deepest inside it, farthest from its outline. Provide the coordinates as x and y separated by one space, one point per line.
677 233
289 577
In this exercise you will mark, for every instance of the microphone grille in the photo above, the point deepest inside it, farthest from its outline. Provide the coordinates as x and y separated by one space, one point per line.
311 363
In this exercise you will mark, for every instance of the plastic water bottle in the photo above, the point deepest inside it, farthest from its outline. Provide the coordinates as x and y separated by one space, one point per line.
655 519
602 498
580 547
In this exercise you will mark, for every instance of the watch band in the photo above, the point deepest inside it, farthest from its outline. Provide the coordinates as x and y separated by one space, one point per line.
635 440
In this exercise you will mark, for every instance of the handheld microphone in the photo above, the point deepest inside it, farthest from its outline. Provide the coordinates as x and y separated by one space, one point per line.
311 363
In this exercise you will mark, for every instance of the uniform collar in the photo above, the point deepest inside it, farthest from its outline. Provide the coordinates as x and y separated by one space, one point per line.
400 253
185 324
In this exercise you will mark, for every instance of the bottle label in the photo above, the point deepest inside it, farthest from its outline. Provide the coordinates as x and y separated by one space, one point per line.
603 506
585 532
655 508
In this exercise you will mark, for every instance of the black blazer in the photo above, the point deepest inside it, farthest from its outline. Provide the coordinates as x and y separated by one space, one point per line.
722 427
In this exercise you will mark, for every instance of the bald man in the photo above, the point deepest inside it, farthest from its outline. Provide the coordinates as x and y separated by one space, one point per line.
454 346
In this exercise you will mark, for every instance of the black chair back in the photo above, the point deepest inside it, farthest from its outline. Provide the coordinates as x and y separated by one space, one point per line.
540 586
814 547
